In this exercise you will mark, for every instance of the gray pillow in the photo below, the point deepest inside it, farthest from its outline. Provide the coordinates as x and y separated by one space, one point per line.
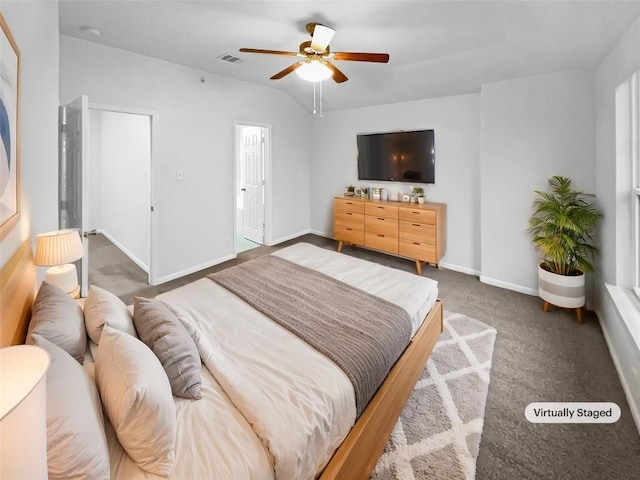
76 442
163 333
58 318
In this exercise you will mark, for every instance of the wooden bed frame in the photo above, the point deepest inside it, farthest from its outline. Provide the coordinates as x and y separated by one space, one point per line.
359 452
17 289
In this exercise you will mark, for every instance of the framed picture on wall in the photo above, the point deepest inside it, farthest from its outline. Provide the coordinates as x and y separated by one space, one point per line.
9 130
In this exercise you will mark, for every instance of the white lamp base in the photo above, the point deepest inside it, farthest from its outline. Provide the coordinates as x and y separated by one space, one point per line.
64 277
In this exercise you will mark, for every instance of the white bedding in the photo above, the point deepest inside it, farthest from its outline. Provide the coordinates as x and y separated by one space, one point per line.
258 377
208 429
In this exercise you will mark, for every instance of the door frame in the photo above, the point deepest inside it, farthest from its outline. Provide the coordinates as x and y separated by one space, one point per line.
153 214
63 120
237 125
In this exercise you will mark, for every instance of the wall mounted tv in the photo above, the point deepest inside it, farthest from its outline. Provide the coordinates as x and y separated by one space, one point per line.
397 156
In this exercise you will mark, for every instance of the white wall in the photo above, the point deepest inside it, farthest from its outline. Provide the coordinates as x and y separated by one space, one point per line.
195 134
456 121
34 26
121 177
532 128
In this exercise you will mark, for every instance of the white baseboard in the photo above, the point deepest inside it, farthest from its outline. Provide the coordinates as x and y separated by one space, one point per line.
289 237
458 268
125 250
623 381
623 348
321 234
508 285
197 268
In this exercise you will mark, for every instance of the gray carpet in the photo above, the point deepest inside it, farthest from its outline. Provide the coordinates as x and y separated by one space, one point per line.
438 433
111 269
538 357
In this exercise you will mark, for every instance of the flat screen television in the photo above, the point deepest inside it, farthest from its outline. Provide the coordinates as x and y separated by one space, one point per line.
397 156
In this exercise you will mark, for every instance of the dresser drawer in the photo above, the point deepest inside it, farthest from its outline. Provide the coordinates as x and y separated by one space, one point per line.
418 232
348 234
382 225
382 242
418 215
349 219
347 205
418 250
387 211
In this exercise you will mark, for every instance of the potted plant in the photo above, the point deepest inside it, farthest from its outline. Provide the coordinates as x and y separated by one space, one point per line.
349 190
416 194
561 228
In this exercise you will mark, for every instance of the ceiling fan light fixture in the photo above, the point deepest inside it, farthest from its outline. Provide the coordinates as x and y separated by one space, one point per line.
314 71
321 37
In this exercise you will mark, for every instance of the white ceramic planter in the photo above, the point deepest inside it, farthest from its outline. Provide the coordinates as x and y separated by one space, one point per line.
560 290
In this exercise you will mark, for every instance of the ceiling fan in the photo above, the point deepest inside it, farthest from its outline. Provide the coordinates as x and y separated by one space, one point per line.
316 54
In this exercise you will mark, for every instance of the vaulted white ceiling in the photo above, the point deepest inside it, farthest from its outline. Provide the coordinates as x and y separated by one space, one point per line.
436 48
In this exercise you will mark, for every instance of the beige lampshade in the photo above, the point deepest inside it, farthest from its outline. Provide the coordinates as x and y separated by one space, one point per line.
58 248
23 416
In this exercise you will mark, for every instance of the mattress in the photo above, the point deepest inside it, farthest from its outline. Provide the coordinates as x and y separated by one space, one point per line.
273 406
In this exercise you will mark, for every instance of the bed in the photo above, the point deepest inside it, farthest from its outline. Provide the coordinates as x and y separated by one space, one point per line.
286 411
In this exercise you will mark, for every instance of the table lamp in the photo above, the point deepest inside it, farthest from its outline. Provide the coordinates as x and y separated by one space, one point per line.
23 412
57 250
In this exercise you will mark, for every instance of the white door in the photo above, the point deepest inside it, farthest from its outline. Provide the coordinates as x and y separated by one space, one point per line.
252 154
72 177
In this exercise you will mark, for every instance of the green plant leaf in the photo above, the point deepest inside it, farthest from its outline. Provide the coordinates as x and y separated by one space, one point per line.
562 226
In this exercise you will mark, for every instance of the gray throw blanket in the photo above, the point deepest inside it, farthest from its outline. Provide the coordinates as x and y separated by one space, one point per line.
363 334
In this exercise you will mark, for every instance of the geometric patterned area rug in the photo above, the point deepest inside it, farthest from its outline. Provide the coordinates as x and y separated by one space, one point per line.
438 433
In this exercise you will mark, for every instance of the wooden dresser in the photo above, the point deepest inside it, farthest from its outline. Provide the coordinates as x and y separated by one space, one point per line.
417 231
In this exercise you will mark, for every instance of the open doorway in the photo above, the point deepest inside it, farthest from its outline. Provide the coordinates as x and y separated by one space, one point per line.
119 199
103 188
251 167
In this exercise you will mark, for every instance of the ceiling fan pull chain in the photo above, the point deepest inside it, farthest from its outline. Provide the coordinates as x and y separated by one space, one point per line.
321 100
314 98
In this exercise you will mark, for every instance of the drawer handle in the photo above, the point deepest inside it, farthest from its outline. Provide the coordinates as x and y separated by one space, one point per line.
349 229
349 213
381 235
349 203
416 243
381 219
416 224
381 208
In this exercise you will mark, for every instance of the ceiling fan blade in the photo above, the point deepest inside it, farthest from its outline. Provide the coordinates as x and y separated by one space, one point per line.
321 37
286 71
270 52
361 57
338 76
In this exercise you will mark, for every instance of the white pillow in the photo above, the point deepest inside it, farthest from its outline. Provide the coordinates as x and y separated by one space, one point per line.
76 442
137 398
103 308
